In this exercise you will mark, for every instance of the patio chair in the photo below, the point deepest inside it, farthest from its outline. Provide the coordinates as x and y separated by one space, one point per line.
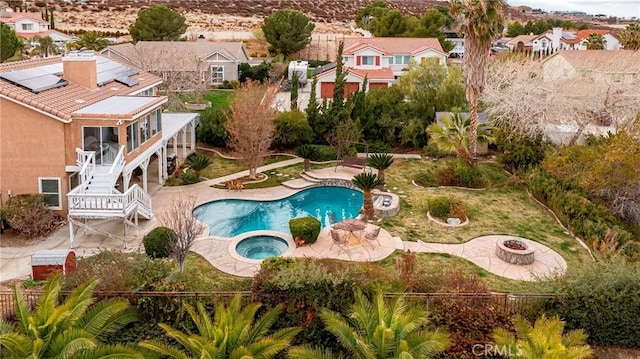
372 236
340 241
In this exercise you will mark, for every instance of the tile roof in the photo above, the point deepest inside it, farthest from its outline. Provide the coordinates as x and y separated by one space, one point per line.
392 45
583 34
29 35
384 73
61 102
622 61
175 55
522 38
15 16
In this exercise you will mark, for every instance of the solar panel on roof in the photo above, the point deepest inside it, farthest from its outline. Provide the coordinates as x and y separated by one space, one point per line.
109 71
34 79
127 80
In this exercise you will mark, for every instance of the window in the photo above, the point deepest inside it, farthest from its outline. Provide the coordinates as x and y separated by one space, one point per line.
368 60
132 137
147 92
145 129
50 188
74 180
402 60
27 27
217 74
156 122
391 60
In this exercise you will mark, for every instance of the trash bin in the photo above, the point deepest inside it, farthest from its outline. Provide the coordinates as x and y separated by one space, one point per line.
171 163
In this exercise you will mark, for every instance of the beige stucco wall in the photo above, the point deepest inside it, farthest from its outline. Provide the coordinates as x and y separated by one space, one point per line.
31 146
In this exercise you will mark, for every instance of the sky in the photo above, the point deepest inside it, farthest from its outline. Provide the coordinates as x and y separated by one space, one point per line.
620 8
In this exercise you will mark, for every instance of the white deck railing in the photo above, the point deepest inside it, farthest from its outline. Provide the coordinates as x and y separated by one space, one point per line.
114 204
87 162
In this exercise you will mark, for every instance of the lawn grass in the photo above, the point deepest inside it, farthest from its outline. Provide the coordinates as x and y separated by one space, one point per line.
219 99
503 209
283 174
221 166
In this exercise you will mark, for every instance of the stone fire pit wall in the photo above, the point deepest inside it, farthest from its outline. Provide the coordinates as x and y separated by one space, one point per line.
514 256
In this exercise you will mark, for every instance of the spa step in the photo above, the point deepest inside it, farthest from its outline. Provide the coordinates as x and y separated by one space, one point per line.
298 183
310 177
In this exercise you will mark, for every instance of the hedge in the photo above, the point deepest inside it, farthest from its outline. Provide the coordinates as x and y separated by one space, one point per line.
158 242
306 228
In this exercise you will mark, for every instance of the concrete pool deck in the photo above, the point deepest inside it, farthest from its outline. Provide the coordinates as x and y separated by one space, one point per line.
15 262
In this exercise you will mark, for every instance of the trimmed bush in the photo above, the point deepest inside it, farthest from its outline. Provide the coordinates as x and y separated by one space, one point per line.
306 228
158 242
29 215
292 129
426 179
440 206
189 177
321 153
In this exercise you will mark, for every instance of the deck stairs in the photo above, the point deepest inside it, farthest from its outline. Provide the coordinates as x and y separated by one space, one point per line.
96 197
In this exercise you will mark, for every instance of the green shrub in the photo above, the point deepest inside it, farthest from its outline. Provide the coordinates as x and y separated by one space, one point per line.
29 215
603 298
306 228
211 129
198 162
470 177
432 150
158 242
519 154
440 206
189 177
426 179
321 153
292 129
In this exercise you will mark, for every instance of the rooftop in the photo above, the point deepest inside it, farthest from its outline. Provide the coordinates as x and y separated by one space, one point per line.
392 45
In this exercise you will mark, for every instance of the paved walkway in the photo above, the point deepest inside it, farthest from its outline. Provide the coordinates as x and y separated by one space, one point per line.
16 262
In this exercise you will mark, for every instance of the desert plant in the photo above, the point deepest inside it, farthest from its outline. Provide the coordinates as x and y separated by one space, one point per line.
367 182
71 329
158 242
307 152
234 332
440 206
305 228
29 215
189 177
198 162
380 161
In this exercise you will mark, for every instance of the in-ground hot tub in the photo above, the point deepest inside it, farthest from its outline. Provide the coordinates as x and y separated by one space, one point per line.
385 204
261 246
514 251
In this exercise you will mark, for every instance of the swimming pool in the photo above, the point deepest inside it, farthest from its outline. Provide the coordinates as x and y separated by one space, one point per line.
231 217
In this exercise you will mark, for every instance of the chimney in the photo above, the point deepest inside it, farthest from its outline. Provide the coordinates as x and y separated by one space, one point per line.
80 67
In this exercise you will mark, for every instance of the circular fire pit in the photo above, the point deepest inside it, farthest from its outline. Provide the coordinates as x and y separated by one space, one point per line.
514 251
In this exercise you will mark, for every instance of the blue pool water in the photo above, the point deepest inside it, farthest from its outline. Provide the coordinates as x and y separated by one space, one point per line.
231 217
261 247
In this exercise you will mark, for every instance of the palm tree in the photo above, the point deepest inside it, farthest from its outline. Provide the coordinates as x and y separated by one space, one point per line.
596 42
379 329
198 162
306 152
543 340
46 45
630 37
90 40
481 21
367 182
453 135
73 328
233 333
380 161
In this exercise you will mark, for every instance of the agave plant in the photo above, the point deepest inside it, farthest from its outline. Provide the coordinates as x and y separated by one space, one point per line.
233 333
380 161
367 182
71 329
306 152
198 162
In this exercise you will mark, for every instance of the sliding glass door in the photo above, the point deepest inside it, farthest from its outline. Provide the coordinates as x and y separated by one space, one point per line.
103 141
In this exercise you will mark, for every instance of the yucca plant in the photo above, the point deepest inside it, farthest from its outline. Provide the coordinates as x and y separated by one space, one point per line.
198 162
233 333
306 152
545 339
71 329
379 329
367 182
380 161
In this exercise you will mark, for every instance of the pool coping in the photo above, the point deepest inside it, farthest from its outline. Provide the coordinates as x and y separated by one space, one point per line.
231 248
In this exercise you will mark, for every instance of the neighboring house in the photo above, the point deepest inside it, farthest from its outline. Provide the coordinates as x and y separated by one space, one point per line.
483 148
76 128
30 24
380 59
458 47
559 39
212 63
600 65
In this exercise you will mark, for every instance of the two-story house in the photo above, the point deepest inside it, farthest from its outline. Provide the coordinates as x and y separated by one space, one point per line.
181 62
559 39
381 60
76 128
30 24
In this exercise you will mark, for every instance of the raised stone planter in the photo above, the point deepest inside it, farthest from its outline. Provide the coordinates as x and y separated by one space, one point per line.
445 224
514 251
385 204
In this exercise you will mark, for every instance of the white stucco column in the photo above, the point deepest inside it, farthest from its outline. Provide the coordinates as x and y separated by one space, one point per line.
184 142
193 135
126 178
164 161
145 166
175 144
159 153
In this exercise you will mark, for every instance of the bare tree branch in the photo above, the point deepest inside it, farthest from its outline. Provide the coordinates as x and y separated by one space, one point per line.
179 217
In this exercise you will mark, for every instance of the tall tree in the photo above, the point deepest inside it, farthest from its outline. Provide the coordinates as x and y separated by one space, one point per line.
545 339
179 217
46 45
379 329
73 328
481 21
158 23
287 31
250 124
234 332
596 42
10 43
295 81
367 182
313 108
630 37
90 40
